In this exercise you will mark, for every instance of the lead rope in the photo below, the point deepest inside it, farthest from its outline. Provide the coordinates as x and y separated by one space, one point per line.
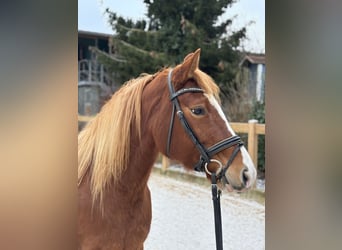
216 193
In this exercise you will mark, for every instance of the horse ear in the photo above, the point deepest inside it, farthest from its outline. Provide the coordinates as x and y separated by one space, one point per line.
186 70
191 63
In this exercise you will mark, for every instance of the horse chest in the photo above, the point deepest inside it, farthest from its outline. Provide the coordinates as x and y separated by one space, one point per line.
130 225
125 224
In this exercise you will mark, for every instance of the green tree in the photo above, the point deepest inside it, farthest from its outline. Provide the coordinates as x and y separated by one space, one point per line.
170 31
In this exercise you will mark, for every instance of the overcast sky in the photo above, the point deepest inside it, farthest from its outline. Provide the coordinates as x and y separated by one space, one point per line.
250 13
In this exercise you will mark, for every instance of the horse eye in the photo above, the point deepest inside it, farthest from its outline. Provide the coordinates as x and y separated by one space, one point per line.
198 111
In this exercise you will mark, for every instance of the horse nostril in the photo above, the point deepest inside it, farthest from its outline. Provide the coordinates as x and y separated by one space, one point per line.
245 176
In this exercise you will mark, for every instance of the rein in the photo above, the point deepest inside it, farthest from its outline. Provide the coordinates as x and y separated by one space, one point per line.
206 154
216 195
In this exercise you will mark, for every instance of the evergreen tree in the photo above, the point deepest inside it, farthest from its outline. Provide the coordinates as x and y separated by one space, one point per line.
171 31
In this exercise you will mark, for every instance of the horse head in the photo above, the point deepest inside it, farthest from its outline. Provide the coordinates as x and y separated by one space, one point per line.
192 128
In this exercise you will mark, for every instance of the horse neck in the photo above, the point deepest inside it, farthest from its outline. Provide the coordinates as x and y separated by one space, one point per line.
141 160
145 150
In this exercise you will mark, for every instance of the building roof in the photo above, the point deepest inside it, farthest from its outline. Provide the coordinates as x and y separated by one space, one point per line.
253 59
93 34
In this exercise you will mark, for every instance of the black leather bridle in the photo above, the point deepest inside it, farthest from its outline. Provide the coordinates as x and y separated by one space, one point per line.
206 154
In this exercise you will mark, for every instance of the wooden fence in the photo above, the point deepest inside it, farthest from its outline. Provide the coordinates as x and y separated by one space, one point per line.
252 128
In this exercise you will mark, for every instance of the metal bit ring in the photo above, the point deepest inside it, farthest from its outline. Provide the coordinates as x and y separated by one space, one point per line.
215 161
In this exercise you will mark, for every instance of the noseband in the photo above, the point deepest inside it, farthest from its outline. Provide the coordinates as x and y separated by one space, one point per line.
206 154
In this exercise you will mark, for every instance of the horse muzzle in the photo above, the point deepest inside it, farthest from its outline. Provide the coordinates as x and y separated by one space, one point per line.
232 182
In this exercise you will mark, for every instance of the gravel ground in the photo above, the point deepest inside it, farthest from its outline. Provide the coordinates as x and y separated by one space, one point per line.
183 218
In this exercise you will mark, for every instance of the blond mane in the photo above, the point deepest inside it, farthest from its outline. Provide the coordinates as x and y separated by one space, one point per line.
104 143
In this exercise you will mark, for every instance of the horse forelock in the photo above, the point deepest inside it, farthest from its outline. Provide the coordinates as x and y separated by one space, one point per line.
205 82
104 144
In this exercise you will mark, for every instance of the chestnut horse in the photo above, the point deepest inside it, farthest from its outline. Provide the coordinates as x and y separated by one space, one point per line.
117 150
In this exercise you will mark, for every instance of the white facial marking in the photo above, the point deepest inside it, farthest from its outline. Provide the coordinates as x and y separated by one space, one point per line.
246 159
